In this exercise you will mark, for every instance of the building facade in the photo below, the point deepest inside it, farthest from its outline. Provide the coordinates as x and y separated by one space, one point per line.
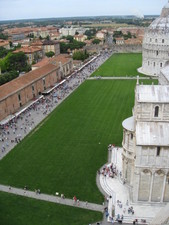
18 92
63 60
146 145
49 46
156 45
34 54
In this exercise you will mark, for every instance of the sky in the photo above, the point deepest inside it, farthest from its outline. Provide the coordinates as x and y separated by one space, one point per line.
31 9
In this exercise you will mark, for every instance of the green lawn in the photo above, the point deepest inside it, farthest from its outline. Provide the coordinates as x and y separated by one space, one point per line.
119 65
16 210
65 153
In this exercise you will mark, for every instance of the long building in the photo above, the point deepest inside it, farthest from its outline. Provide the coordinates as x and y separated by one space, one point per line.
18 92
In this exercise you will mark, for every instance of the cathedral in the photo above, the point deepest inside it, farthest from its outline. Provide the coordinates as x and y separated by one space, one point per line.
145 156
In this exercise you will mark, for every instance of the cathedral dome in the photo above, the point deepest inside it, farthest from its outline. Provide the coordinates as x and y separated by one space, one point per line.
156 44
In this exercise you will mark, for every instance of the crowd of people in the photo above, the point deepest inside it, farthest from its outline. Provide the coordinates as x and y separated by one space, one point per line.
110 170
15 129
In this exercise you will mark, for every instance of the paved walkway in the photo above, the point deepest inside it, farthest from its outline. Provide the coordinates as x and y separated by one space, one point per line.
51 198
122 78
119 191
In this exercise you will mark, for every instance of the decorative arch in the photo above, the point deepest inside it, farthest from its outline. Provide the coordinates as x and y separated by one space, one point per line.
146 171
160 172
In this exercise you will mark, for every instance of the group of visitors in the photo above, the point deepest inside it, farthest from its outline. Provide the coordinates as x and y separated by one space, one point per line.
15 129
109 170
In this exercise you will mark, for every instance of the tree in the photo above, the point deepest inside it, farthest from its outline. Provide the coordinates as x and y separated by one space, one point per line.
31 35
80 55
90 33
47 37
3 52
96 41
74 45
117 34
3 36
15 62
6 77
50 54
70 38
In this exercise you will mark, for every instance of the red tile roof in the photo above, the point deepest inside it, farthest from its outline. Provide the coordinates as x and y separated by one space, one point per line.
25 80
63 58
28 49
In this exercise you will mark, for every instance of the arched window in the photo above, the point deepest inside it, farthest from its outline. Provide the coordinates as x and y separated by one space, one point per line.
161 64
131 136
162 40
156 111
158 151
156 53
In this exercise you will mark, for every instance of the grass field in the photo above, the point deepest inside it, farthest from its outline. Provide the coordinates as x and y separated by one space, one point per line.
15 210
107 25
119 65
65 153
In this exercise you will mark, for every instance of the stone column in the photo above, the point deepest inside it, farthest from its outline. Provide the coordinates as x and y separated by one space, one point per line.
163 189
151 186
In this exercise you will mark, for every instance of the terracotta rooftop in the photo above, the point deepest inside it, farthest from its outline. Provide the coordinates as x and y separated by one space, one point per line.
3 42
63 58
41 63
133 41
37 43
28 49
25 80
50 42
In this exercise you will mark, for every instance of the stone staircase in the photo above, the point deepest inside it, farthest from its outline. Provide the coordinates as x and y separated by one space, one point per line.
127 218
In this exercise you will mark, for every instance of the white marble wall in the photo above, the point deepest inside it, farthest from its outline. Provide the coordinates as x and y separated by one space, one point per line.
146 111
155 51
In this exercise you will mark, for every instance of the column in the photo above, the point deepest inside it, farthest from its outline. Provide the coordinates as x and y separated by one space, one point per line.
163 189
151 186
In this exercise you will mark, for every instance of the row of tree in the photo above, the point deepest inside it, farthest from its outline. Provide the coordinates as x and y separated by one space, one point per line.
11 65
8 76
118 34
80 55
72 45
15 62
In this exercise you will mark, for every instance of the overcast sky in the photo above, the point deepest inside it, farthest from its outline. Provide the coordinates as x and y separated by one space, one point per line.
23 9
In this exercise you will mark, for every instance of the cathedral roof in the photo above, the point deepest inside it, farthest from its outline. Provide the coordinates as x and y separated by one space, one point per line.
128 124
152 93
165 72
152 134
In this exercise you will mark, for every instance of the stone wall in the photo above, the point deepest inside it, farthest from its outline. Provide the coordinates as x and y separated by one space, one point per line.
127 48
146 112
115 48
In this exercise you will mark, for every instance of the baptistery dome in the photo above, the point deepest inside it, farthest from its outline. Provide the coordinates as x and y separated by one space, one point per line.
155 47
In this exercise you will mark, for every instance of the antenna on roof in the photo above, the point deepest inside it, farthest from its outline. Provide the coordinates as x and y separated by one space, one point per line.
137 80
